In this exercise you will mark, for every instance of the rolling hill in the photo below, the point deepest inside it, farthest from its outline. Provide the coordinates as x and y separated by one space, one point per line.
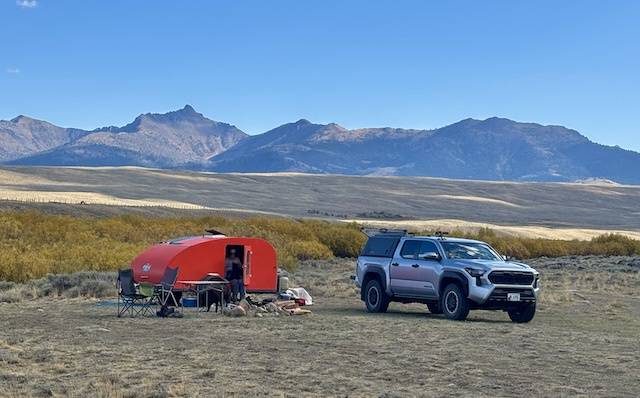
389 200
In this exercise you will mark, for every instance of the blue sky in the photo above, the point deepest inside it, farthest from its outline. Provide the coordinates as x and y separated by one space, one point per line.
258 64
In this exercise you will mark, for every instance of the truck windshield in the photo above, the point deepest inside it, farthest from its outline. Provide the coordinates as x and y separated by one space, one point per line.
469 251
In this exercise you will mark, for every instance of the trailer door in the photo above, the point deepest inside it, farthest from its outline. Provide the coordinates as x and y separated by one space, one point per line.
248 254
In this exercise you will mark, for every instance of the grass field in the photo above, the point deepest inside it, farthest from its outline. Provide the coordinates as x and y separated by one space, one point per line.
584 341
58 339
576 209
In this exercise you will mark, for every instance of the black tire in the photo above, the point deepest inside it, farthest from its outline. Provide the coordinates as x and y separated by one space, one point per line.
453 302
434 308
375 297
523 313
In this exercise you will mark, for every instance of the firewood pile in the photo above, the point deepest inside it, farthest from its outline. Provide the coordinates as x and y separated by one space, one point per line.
248 307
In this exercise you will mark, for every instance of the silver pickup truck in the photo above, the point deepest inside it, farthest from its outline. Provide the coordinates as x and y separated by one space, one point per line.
451 276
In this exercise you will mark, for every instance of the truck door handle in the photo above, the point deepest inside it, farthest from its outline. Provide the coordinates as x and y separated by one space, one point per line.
415 265
395 264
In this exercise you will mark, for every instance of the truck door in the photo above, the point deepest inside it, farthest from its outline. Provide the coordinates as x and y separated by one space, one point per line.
428 269
403 269
246 267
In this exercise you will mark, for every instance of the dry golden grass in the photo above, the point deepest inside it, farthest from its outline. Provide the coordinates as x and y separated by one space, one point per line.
89 198
532 232
575 347
567 206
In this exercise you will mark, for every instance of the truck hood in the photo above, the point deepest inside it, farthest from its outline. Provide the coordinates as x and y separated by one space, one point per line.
492 265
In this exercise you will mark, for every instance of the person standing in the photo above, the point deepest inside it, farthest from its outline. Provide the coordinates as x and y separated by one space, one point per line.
234 274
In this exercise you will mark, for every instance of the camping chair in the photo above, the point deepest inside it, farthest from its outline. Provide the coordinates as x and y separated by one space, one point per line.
129 299
164 291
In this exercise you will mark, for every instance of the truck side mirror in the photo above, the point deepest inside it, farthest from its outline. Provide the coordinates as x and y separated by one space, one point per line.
430 256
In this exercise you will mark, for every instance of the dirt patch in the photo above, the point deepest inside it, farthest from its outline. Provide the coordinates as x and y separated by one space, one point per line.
74 347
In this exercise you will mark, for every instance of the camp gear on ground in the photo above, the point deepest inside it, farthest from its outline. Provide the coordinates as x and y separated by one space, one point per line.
283 284
190 302
164 291
284 296
301 293
169 312
249 307
130 300
206 292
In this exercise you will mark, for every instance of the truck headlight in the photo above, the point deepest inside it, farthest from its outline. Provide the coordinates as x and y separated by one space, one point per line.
475 272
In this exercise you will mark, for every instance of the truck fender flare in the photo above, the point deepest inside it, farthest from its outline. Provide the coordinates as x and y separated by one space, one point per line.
366 275
455 275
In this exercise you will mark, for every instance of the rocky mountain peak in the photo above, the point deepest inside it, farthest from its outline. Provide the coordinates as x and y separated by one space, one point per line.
491 149
20 119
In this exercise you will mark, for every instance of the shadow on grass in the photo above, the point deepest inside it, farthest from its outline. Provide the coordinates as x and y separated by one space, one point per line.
399 314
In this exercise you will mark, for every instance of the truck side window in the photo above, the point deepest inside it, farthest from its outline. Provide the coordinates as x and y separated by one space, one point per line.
427 247
380 247
410 249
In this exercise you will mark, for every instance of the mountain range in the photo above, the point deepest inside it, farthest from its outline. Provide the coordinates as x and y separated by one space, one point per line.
491 149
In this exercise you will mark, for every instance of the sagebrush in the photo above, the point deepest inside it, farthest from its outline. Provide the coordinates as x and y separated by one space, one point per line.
34 244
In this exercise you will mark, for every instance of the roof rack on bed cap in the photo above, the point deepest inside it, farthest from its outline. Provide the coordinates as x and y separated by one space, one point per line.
212 231
384 232
441 234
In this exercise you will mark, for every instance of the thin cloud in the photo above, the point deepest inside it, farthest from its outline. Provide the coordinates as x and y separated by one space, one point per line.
27 3
13 71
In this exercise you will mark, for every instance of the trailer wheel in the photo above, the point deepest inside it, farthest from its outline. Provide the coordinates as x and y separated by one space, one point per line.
375 297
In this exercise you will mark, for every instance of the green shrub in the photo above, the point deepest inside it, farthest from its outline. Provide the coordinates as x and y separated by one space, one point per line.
343 240
33 244
308 250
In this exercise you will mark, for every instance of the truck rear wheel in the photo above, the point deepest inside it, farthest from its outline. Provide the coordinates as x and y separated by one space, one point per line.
375 297
522 314
454 304
434 308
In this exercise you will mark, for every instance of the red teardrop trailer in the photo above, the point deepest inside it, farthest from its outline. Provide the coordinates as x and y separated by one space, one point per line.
197 256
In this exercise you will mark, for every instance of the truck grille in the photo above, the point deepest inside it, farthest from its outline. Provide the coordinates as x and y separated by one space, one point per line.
511 278
500 294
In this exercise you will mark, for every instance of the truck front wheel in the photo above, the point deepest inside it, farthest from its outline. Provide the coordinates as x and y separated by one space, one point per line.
454 304
375 297
522 314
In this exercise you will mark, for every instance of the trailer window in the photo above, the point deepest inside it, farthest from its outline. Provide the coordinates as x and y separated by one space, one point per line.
380 247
